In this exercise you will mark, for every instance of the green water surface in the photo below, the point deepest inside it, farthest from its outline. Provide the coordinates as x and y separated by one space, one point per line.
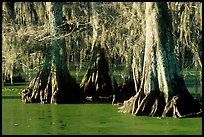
87 119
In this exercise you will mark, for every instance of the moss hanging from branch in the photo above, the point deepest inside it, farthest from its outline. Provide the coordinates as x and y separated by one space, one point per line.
162 90
54 84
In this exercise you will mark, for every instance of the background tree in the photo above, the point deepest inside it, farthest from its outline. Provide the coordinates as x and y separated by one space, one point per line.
187 17
27 50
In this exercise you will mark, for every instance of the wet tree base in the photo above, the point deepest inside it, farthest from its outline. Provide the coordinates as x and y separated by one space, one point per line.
96 83
46 88
180 106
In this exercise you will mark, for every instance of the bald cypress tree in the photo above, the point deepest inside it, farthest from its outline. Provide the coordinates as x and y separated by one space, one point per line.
53 84
162 90
97 83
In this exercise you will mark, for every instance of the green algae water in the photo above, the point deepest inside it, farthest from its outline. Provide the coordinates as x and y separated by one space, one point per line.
87 119
83 119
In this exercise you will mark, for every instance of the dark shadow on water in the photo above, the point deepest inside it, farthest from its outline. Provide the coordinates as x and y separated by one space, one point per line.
81 102
11 97
17 84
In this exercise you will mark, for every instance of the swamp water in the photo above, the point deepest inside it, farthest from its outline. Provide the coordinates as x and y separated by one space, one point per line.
86 119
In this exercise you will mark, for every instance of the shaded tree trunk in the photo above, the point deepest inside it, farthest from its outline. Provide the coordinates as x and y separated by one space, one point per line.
162 90
97 83
124 90
53 84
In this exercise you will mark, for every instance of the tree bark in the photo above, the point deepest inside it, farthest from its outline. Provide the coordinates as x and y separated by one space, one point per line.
97 83
162 90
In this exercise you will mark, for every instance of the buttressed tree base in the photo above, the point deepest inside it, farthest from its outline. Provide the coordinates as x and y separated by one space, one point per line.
162 90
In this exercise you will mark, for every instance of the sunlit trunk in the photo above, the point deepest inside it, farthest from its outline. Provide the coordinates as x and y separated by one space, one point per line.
54 83
162 90
95 6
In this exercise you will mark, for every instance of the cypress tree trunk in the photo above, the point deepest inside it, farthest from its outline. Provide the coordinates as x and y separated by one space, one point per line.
162 90
53 84
96 83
